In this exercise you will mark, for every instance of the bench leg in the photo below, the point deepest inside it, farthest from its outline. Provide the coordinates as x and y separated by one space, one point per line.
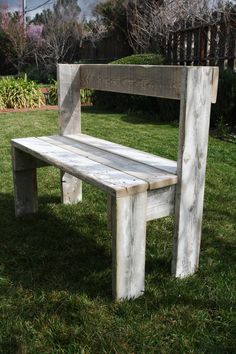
128 245
71 189
25 183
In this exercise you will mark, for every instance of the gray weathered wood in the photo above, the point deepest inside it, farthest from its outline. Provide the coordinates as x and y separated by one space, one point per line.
134 154
193 142
108 179
71 189
160 203
155 177
128 245
25 184
148 80
69 104
69 123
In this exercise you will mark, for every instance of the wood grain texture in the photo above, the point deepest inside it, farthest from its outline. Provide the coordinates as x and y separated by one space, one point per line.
108 179
160 203
71 189
146 158
147 80
155 177
193 143
128 246
69 105
25 185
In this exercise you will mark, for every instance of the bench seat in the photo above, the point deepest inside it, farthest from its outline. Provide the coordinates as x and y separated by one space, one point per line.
116 169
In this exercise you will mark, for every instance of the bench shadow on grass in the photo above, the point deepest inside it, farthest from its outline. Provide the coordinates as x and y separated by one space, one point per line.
44 252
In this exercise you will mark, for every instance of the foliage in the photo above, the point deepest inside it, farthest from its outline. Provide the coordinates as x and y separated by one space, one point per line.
20 41
20 93
52 91
152 19
141 59
112 15
55 273
86 95
2 103
61 35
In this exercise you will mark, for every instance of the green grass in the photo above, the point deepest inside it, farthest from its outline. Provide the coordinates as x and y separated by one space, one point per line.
55 267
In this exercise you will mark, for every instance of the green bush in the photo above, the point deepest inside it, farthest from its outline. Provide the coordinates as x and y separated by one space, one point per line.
141 59
52 91
20 93
125 102
86 95
2 104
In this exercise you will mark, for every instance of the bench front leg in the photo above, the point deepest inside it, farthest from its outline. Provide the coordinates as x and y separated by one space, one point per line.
128 245
25 183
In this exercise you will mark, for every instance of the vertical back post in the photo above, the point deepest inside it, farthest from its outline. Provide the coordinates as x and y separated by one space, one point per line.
69 123
198 87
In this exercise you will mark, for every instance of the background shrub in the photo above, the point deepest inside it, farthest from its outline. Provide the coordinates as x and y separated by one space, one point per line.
86 95
20 93
141 59
2 104
53 95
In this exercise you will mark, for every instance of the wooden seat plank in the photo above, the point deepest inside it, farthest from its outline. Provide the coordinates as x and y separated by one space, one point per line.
154 177
146 158
108 179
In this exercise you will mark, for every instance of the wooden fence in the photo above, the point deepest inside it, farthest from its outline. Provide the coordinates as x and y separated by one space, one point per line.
199 44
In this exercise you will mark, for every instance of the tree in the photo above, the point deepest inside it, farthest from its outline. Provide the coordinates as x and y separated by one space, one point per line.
19 43
112 15
152 18
61 34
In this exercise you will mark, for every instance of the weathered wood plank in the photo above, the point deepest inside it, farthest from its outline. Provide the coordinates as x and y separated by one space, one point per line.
156 178
193 143
24 161
68 76
25 185
136 155
147 80
108 179
128 246
69 123
160 203
71 189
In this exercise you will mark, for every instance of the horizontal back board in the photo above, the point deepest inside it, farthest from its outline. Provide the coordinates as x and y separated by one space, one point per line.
147 80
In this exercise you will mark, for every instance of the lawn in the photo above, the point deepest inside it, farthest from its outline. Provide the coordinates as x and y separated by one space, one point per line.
55 267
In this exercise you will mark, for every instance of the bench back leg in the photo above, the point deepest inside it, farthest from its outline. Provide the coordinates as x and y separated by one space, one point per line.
191 166
128 245
69 123
25 183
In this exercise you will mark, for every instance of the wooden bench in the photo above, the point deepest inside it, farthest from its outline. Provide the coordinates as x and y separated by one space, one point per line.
140 186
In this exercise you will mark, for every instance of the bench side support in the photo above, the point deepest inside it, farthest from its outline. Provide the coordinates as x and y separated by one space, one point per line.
191 167
69 123
25 183
128 245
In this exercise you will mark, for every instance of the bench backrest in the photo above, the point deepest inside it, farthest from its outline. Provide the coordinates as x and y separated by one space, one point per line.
195 87
149 80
